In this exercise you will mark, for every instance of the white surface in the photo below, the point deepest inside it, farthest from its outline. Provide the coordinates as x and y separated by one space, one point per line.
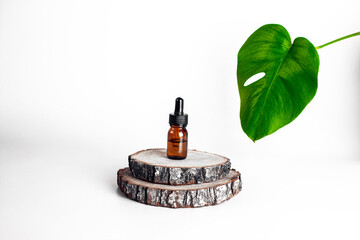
83 84
195 159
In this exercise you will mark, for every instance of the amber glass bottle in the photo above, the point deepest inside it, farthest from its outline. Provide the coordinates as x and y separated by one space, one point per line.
177 135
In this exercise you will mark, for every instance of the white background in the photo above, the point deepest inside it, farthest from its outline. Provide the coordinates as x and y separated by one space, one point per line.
83 84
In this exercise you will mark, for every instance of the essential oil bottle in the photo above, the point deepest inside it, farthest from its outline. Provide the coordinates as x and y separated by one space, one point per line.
177 135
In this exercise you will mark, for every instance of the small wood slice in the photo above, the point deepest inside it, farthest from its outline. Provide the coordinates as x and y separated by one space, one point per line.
185 196
152 165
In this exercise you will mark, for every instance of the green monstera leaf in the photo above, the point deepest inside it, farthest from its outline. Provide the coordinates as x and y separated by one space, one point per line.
289 84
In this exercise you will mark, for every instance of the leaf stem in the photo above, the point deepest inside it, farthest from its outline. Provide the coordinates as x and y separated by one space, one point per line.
339 39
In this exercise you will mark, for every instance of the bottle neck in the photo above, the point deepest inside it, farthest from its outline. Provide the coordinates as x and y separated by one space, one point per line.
177 126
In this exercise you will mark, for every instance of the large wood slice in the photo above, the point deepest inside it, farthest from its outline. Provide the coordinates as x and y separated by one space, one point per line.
152 165
196 195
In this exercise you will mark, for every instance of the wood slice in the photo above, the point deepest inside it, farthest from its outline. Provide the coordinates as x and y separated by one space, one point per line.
185 196
152 165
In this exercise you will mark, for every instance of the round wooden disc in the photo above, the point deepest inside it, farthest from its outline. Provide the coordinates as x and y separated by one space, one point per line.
196 195
152 165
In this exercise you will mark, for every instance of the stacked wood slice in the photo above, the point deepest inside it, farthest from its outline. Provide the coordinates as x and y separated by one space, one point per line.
202 179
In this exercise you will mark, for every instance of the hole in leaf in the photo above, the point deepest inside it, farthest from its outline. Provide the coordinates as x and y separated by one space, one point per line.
254 78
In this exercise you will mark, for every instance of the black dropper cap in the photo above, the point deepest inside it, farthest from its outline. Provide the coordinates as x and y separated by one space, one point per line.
178 117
